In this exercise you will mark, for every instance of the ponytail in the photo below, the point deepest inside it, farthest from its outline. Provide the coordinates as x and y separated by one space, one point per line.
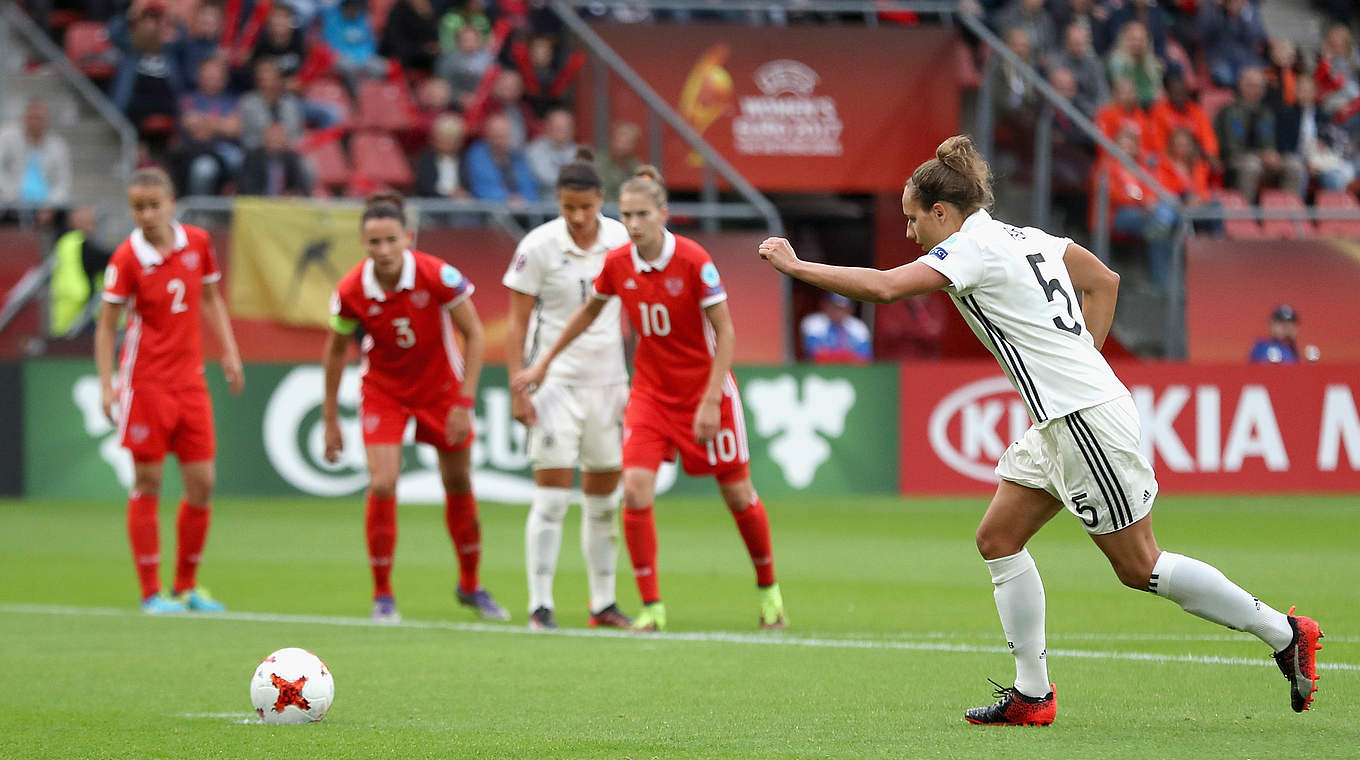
647 181
958 175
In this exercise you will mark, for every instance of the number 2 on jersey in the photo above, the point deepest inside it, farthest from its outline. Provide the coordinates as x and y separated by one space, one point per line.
1050 287
655 318
176 289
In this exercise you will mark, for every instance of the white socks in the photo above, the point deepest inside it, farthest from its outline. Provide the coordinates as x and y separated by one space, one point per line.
600 546
1020 603
543 541
1202 590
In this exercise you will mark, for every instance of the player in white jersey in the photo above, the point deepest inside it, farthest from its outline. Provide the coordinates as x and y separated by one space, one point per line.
575 417
1017 288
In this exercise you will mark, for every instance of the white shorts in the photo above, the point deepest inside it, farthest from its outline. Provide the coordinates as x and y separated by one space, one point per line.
1090 461
578 426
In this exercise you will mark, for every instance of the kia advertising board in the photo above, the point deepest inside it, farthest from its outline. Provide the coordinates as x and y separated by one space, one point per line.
1207 428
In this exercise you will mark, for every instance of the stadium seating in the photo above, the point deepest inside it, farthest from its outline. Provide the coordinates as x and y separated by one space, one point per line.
1213 99
378 157
1335 199
328 160
1242 229
89 48
332 92
1283 228
384 106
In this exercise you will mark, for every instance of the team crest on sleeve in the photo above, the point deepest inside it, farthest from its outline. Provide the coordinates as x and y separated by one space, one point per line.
450 276
675 286
939 252
520 262
709 275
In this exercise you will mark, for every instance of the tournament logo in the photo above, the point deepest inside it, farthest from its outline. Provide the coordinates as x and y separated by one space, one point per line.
675 286
450 276
787 119
939 252
709 275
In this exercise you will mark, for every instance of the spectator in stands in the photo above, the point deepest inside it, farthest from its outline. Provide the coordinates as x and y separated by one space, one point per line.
203 40
1338 71
35 163
1182 170
618 164
434 98
1132 58
282 42
1123 113
1015 102
1282 73
1302 130
835 335
507 99
546 73
345 26
1087 14
1247 138
274 169
496 169
411 35
464 63
1073 154
1030 16
468 14
437 168
1144 12
1080 59
1234 38
149 80
1281 346
269 103
1178 110
1135 209
211 119
77 270
553 149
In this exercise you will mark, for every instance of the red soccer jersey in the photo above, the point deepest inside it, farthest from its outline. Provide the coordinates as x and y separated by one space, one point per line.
410 351
163 349
665 301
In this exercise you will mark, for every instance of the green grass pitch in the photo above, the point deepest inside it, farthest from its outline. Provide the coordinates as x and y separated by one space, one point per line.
893 635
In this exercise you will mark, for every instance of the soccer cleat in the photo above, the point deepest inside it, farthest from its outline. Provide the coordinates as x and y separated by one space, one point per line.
772 609
542 619
481 601
1015 709
160 604
651 619
385 610
1298 661
610 617
199 600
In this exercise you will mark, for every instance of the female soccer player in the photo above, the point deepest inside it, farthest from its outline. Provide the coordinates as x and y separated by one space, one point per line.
1017 289
409 304
166 275
684 396
574 418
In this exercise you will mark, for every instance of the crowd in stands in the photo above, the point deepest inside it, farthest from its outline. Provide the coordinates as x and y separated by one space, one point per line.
1197 92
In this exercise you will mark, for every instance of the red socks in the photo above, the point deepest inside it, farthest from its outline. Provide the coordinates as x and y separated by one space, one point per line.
192 530
380 526
143 525
754 525
460 517
639 532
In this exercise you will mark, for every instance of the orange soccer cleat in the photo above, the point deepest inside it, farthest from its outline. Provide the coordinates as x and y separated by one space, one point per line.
1015 709
1298 661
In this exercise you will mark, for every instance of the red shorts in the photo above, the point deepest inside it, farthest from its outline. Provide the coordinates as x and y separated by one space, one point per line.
384 419
156 422
654 433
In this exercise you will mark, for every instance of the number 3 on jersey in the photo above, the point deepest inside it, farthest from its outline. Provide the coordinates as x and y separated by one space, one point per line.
655 318
406 337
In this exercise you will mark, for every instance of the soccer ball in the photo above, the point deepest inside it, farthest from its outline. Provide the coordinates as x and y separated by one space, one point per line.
292 686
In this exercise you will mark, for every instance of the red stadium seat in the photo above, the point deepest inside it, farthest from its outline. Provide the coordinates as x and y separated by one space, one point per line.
1336 199
89 48
1213 99
1241 229
328 160
384 106
331 92
1283 228
378 157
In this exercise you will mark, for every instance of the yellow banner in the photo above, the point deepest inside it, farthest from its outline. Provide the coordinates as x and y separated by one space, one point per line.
287 256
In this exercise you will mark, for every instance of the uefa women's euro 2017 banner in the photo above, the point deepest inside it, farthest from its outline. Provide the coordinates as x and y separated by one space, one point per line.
1207 428
808 430
848 109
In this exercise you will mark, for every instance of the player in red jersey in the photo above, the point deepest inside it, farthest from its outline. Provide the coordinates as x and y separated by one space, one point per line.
409 304
165 275
684 398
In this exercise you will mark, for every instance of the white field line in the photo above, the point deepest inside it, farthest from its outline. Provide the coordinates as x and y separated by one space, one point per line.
756 639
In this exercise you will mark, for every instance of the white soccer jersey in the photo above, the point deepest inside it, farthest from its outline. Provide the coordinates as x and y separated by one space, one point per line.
549 266
1012 287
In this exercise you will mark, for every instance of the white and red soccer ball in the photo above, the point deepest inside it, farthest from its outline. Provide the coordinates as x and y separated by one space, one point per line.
292 686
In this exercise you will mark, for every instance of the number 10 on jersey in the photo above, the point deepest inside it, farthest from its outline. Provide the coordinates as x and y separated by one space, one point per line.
655 319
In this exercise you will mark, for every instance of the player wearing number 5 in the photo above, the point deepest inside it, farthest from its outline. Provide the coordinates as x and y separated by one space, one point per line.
1017 288
684 397
166 276
409 304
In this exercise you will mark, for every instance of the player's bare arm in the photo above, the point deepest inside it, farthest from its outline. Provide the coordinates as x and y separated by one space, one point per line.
1099 289
521 307
465 319
333 362
859 283
706 416
105 335
215 309
579 323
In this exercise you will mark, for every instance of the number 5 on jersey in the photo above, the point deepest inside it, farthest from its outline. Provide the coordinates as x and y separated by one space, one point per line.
655 318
